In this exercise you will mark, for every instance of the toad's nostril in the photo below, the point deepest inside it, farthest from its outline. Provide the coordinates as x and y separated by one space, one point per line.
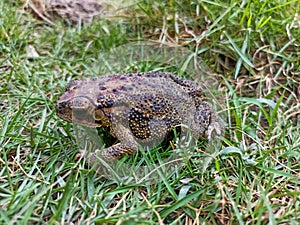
60 107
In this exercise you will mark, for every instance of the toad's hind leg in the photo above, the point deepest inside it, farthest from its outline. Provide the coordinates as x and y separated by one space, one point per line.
207 121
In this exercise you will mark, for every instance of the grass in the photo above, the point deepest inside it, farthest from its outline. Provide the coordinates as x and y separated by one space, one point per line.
250 50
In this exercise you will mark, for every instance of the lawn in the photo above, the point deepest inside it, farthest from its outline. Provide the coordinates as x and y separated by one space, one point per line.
245 54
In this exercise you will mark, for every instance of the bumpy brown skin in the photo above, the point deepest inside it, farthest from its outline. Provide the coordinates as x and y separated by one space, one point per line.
137 108
75 11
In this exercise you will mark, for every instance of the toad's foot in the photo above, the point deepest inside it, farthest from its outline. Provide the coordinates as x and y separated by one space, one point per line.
107 154
215 128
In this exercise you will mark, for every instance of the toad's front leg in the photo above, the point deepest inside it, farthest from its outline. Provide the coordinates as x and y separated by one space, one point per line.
111 153
127 146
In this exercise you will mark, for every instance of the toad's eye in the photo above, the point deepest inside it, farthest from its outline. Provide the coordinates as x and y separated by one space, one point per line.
98 114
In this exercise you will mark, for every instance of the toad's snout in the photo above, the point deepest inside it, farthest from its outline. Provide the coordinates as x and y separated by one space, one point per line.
78 110
66 108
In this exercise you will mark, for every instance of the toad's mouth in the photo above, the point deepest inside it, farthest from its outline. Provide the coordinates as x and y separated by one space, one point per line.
79 110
